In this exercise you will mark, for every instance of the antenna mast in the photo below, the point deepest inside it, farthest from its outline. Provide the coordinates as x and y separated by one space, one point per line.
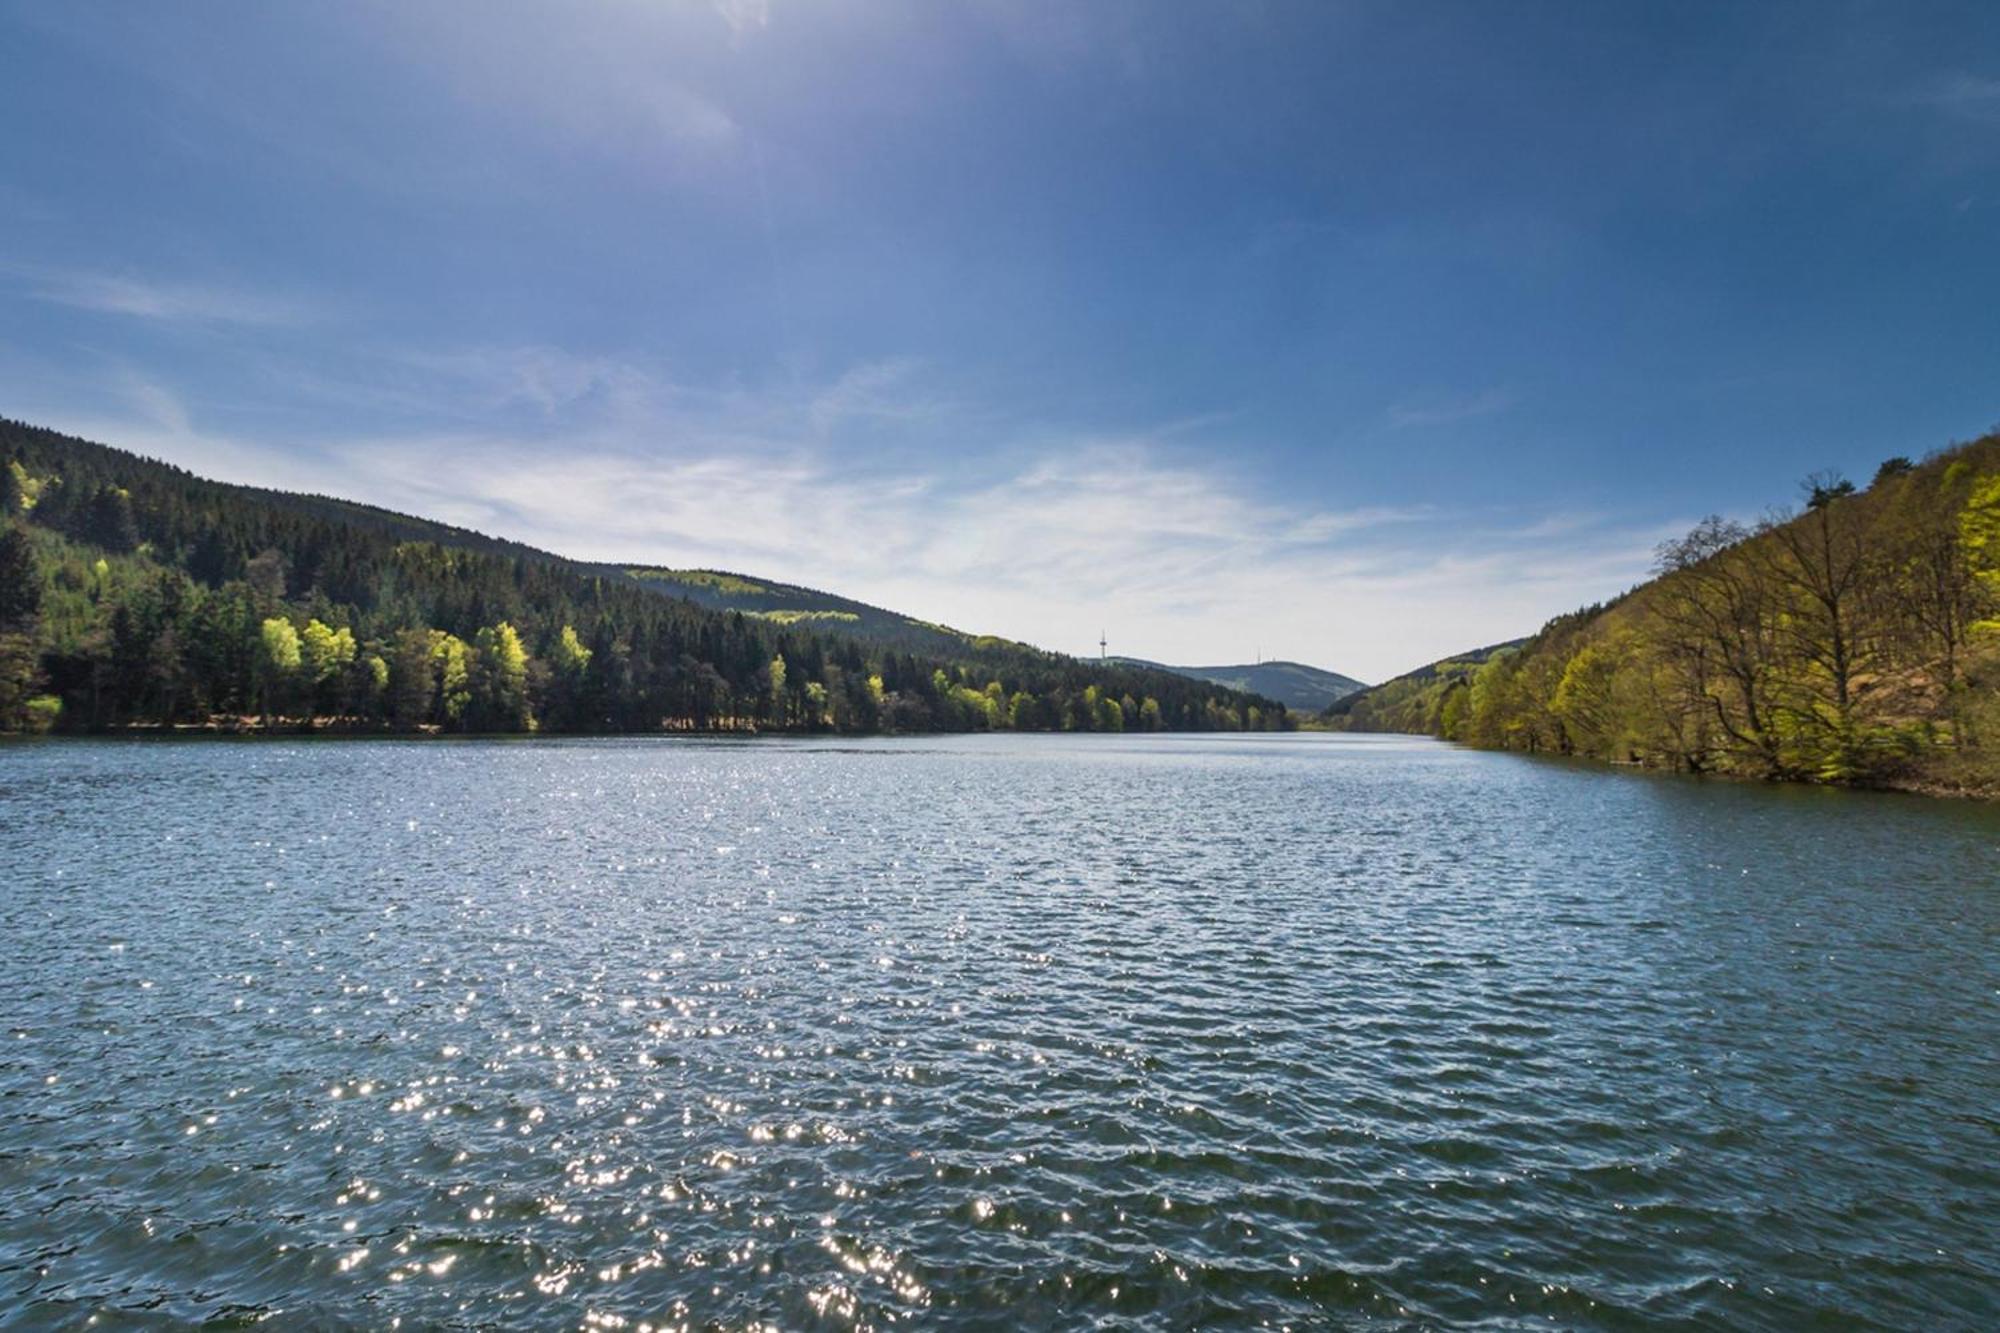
1103 646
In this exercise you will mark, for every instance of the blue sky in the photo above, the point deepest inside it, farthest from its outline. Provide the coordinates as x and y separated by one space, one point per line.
1353 333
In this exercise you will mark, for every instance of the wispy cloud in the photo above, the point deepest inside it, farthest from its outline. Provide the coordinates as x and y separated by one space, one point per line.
1958 93
1449 411
874 391
162 301
743 16
1052 536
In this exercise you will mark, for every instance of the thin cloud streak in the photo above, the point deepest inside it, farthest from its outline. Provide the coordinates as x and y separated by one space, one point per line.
162 301
1961 94
1450 412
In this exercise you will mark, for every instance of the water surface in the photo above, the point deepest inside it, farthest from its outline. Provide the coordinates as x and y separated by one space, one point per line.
1155 1032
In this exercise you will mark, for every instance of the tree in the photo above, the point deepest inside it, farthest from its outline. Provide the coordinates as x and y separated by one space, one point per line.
19 679
267 574
20 605
570 656
1926 591
370 684
1713 622
411 683
1110 717
1819 564
776 673
20 581
451 661
107 520
278 659
1823 488
327 657
500 680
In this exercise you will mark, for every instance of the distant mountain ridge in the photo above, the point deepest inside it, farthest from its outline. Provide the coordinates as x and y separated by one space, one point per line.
1293 684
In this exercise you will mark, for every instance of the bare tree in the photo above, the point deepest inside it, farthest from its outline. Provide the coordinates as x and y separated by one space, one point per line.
1819 564
1714 614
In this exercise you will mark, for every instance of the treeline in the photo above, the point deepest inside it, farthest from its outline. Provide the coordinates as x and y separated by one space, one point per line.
1854 641
135 594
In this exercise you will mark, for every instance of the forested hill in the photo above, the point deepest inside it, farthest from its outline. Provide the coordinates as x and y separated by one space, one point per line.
789 604
1855 640
1294 684
1410 701
133 593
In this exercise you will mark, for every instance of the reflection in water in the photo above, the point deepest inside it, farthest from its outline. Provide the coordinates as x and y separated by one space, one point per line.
997 1031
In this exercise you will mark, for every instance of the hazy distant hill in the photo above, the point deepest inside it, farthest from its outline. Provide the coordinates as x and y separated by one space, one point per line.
1293 684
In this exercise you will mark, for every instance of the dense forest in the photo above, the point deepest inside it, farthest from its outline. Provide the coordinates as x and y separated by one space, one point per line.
1855 640
134 594
790 604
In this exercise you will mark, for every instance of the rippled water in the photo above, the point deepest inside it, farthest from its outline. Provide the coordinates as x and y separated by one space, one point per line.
1035 1032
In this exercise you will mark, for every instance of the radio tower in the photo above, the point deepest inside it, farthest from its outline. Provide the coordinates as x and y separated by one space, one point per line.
1103 646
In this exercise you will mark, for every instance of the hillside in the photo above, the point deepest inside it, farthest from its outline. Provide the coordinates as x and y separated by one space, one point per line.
789 604
1293 684
1409 702
1855 640
133 593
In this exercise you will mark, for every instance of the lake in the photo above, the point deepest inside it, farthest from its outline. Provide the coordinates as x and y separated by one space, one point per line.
987 1032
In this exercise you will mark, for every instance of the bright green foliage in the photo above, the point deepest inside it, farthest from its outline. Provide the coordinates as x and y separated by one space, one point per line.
1021 711
451 663
326 652
793 616
277 666
43 712
776 674
570 657
25 489
1979 528
500 680
280 644
977 710
700 578
1110 717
